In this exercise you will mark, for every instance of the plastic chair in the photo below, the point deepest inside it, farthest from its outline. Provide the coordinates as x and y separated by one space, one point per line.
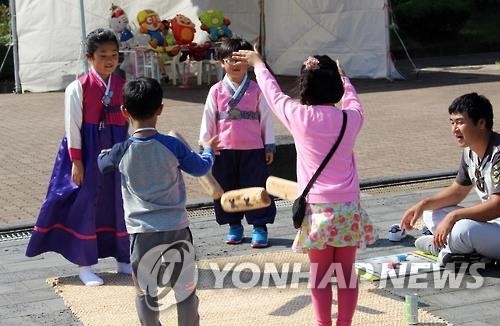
150 65
173 70
206 68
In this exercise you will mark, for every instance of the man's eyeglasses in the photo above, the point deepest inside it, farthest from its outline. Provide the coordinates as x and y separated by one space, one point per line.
479 180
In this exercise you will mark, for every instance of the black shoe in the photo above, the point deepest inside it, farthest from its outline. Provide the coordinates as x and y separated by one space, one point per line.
471 258
456 261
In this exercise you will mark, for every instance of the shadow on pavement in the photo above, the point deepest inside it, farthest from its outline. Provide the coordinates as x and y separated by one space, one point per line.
409 242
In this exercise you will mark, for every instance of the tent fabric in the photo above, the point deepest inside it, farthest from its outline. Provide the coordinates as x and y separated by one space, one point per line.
354 31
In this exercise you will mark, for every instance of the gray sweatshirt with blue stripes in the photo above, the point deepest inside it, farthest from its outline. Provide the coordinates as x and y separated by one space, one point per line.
153 189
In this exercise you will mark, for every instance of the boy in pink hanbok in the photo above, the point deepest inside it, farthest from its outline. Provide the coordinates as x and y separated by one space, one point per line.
236 111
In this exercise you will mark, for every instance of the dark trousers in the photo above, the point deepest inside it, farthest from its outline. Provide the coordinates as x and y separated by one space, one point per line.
236 169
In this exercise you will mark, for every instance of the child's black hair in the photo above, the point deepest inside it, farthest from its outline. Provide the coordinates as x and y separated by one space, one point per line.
321 86
476 106
98 37
230 45
142 97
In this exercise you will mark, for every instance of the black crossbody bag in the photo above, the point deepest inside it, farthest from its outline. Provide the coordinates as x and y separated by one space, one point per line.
299 205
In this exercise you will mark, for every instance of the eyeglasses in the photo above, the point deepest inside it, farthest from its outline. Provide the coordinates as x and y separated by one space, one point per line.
479 180
231 61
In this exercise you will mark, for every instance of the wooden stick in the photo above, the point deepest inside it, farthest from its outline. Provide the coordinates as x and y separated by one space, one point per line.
282 188
245 199
208 182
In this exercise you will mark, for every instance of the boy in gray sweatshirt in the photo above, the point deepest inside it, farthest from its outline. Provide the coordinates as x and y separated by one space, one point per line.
154 201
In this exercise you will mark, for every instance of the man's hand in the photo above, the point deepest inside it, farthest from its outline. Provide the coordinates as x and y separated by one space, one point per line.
443 229
411 216
77 171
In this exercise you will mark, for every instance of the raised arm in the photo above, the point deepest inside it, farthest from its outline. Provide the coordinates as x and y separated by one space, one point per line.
281 104
350 99
350 102
266 125
109 159
190 161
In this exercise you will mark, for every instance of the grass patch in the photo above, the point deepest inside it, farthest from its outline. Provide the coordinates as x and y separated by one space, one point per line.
483 26
481 33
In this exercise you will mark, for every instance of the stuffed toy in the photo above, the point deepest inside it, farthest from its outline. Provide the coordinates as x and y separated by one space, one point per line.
150 24
120 25
159 39
183 29
215 24
170 45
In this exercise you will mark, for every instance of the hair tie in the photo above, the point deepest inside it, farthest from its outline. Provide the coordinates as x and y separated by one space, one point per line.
311 63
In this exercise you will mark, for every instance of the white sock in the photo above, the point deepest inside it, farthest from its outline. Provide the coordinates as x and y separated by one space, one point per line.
88 277
124 268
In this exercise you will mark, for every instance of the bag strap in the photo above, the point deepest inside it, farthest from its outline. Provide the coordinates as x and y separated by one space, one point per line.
328 156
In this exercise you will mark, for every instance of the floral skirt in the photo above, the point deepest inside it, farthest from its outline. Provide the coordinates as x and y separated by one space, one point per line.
336 225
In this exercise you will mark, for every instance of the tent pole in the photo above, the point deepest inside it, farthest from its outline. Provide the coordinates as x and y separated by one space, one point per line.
13 27
262 30
388 72
83 36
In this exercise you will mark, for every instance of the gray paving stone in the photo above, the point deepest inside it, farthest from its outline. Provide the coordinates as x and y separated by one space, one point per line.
471 313
53 318
4 300
43 294
487 322
443 300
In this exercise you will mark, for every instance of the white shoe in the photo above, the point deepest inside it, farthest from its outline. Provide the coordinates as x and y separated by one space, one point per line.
124 268
396 234
88 277
426 244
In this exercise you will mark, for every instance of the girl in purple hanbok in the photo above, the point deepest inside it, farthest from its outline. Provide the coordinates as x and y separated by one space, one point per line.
82 215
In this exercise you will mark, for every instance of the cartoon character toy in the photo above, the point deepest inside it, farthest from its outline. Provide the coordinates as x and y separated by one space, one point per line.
183 29
215 24
170 45
120 25
151 25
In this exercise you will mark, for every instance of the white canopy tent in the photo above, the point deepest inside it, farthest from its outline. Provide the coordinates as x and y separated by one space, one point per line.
354 31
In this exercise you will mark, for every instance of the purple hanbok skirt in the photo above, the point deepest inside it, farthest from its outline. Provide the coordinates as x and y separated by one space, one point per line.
83 223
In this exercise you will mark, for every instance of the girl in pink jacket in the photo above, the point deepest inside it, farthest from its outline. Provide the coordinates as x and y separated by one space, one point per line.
335 225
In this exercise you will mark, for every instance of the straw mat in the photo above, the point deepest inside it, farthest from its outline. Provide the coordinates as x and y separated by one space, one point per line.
275 304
